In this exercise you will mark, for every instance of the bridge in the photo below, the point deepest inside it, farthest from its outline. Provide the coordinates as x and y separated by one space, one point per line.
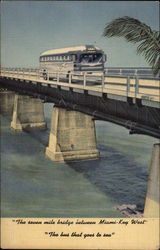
128 100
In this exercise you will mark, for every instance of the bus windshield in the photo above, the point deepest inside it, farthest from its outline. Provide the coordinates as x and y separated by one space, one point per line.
91 58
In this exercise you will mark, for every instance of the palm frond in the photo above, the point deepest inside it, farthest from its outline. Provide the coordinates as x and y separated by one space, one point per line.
135 31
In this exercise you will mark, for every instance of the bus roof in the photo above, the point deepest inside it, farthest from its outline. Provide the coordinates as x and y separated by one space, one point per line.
69 50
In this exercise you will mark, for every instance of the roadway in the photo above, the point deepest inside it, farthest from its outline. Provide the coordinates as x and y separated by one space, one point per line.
146 89
129 101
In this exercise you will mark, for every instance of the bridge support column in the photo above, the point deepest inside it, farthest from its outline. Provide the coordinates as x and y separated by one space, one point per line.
28 113
72 136
152 202
6 102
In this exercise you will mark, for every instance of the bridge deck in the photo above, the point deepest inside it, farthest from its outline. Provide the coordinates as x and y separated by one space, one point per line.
130 101
122 86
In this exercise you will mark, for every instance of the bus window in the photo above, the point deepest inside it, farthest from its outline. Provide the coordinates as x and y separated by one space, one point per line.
98 58
74 58
104 58
89 58
85 58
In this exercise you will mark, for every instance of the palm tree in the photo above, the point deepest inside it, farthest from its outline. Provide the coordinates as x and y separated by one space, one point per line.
135 31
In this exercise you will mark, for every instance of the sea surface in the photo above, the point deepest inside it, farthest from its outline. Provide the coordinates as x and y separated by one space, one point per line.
34 186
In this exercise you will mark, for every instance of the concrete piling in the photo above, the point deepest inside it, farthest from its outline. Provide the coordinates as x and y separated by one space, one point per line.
6 102
152 202
28 113
72 136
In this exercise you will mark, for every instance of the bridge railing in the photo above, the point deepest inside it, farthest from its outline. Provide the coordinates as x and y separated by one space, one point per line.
129 86
20 72
130 71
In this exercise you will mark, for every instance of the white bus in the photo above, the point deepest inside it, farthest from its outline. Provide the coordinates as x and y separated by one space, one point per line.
88 58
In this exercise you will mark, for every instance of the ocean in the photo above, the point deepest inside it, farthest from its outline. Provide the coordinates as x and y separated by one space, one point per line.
34 186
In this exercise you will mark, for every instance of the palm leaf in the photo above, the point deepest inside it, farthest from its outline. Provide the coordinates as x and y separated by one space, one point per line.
135 31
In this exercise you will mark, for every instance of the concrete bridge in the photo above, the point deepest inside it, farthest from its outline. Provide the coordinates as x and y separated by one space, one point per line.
79 99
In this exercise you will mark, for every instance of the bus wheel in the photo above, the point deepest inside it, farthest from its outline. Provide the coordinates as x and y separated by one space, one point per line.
45 76
67 76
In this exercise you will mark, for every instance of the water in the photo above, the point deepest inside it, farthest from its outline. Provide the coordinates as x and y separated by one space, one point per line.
34 186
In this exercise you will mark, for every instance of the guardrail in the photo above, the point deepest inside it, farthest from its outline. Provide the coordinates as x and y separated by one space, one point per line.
140 72
128 86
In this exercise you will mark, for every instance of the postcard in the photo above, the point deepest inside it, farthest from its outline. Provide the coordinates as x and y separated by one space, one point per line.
80 125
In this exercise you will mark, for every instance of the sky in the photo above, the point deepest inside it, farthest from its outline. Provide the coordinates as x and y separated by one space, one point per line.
30 27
